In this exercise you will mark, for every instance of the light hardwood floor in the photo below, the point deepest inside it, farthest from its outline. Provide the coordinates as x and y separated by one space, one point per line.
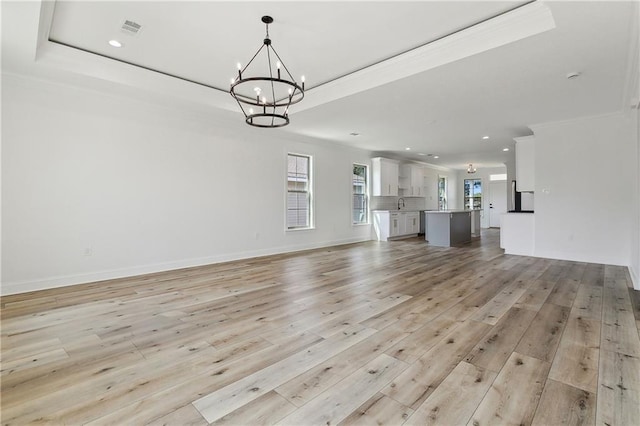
372 333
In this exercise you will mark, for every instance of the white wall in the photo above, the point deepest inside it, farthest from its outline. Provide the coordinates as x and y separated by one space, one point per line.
455 199
633 96
585 171
148 188
510 166
431 174
430 180
634 264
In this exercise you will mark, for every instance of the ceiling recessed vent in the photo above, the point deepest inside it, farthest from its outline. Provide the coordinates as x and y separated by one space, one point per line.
130 27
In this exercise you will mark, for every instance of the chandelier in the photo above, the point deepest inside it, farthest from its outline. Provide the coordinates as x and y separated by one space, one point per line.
265 98
471 169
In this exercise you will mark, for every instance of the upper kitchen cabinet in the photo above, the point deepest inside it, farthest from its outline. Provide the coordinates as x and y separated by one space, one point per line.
411 180
385 176
525 162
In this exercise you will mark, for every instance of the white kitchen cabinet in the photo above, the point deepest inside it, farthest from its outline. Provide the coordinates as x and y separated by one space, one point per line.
412 180
398 224
525 163
384 177
417 181
413 223
395 224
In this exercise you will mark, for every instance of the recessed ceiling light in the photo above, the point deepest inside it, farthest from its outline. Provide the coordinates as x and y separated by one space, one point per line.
436 156
407 149
354 134
421 153
505 149
485 137
115 43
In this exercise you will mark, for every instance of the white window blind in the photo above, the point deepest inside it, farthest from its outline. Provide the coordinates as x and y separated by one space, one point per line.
360 194
298 191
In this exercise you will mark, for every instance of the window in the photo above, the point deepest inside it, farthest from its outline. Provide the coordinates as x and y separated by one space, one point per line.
298 191
442 193
472 194
360 195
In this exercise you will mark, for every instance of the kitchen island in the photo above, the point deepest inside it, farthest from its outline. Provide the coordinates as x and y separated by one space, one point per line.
448 227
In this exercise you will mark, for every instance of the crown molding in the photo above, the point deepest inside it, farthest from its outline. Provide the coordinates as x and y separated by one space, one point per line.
529 138
539 126
526 21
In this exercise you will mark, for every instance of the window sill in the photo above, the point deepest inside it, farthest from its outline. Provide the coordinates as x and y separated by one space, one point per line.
311 228
360 224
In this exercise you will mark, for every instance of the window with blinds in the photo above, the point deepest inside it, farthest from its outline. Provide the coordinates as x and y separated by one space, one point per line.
360 194
298 191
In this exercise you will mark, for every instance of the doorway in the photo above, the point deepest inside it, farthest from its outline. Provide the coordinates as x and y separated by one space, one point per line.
497 202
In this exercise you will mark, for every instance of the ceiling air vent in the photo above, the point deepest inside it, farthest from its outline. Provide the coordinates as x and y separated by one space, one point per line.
131 28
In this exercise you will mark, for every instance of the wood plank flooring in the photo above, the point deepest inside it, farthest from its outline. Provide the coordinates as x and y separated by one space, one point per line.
370 334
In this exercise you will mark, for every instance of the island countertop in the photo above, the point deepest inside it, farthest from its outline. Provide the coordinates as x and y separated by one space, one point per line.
398 211
447 211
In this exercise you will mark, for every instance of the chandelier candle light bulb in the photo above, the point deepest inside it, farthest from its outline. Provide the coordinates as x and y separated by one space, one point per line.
281 91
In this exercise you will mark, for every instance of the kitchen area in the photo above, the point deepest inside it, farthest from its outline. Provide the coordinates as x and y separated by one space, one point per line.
410 200
449 207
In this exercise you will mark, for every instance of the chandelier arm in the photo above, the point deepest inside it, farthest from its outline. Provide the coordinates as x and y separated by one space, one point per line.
273 89
254 56
286 109
283 65
240 105
245 99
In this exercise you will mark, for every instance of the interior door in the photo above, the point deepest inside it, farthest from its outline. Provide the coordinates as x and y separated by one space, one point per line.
497 202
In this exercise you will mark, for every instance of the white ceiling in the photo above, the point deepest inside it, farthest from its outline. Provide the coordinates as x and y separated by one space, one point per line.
189 50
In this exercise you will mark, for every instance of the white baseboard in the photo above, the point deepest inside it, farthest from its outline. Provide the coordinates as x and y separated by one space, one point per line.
635 278
579 257
16 287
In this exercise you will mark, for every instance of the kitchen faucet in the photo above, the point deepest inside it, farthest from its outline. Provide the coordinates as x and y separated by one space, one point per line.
399 200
